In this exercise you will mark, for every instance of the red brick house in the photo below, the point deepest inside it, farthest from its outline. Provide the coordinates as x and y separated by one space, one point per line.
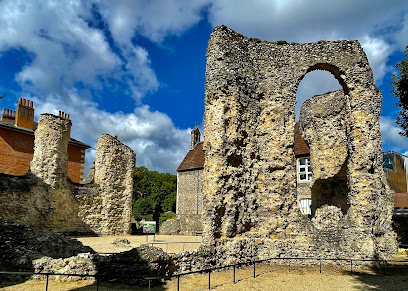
17 143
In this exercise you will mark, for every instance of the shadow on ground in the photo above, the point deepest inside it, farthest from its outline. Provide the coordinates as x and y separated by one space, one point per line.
392 277
119 286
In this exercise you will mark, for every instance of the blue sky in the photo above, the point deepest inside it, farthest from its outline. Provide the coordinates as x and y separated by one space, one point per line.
136 69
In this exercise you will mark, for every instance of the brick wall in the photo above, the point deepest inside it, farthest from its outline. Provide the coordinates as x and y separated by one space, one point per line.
76 160
16 152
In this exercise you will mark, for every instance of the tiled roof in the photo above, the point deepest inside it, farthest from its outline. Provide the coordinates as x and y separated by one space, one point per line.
10 125
194 159
301 147
400 200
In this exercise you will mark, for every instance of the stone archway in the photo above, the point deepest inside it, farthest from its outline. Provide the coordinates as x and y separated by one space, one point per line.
249 173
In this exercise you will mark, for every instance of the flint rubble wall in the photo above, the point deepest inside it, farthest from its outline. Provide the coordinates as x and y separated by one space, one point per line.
250 174
45 197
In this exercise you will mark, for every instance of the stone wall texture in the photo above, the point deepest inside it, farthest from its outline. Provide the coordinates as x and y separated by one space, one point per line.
107 209
323 121
189 192
46 198
249 177
189 206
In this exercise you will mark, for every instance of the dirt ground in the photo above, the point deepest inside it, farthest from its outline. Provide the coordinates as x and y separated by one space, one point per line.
269 277
104 244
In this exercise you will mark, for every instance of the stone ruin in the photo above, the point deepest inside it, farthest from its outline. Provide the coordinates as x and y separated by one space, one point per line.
46 198
250 168
250 205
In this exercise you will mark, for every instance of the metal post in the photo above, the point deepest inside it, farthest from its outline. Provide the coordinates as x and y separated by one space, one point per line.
320 265
97 283
46 283
254 270
209 279
154 237
178 283
233 280
289 266
147 237
351 267
383 265
149 284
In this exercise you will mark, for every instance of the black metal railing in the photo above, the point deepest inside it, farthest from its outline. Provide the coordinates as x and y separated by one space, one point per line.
173 243
286 261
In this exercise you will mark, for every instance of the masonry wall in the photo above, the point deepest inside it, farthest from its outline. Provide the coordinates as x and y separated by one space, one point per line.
76 163
46 198
190 184
189 202
250 174
114 166
16 153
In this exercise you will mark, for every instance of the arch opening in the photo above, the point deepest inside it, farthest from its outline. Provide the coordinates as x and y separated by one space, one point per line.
322 159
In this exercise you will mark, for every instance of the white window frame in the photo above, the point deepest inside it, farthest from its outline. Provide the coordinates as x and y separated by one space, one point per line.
304 169
305 206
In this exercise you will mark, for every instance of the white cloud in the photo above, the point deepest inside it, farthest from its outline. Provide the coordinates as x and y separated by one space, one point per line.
314 83
378 52
304 21
375 23
392 140
401 38
158 144
152 19
66 49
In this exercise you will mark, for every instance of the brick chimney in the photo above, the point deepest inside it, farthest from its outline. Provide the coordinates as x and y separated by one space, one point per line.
8 115
63 115
25 114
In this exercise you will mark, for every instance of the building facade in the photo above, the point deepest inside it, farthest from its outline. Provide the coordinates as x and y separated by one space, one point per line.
17 143
190 186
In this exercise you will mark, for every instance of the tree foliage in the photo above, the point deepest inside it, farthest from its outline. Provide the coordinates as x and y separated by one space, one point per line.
154 193
400 91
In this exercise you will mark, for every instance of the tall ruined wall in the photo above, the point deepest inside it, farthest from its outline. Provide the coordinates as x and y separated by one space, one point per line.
108 207
44 197
250 174
50 159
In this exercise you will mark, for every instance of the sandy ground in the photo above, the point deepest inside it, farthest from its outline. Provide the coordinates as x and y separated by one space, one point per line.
104 244
269 277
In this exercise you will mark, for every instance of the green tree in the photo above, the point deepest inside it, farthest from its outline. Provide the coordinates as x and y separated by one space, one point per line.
154 193
400 91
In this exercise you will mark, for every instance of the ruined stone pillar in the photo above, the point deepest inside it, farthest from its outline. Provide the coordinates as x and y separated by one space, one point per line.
249 177
50 160
114 166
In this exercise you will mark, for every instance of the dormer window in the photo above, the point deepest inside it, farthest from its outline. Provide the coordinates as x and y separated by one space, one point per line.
304 170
